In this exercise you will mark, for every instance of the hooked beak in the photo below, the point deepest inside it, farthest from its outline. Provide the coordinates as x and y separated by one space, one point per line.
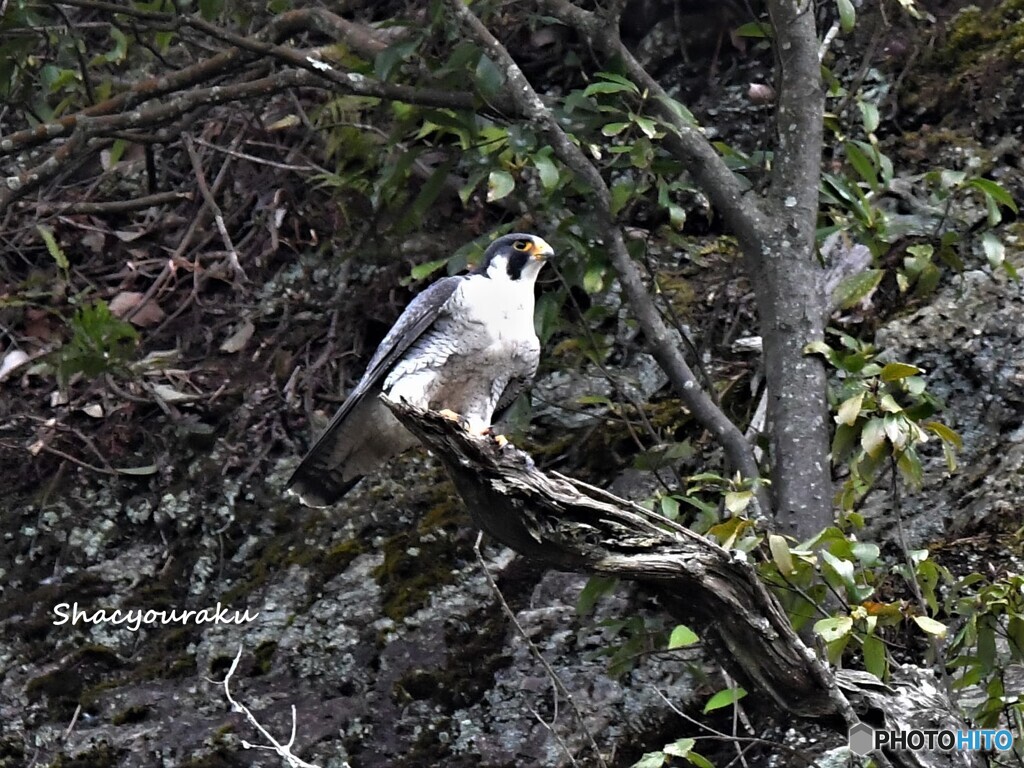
540 250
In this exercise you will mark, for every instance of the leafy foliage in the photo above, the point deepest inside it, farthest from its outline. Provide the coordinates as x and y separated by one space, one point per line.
883 413
100 343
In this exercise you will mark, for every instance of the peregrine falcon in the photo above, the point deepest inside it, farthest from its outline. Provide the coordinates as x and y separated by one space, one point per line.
466 344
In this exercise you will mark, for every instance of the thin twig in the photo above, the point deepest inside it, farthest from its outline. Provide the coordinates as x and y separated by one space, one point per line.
555 680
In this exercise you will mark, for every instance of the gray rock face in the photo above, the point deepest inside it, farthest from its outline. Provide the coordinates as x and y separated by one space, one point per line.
970 342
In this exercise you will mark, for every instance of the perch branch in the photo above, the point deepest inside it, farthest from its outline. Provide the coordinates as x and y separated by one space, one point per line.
570 525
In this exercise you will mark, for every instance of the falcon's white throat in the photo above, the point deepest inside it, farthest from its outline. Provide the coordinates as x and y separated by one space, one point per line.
497 270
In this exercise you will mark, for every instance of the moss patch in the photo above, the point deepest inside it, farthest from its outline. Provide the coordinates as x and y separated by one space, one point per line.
976 69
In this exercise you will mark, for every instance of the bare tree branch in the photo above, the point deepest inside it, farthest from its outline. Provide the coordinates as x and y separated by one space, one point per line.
685 141
778 242
663 344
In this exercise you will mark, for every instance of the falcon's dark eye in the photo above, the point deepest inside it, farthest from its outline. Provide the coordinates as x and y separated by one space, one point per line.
521 245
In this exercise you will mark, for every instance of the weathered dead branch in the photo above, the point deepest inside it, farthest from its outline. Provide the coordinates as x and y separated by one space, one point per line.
573 526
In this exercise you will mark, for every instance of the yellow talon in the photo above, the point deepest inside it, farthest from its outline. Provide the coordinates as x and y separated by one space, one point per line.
450 415
501 440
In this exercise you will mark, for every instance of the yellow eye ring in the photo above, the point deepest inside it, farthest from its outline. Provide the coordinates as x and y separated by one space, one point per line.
521 245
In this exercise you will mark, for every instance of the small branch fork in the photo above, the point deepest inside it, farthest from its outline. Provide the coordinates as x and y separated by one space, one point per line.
284 751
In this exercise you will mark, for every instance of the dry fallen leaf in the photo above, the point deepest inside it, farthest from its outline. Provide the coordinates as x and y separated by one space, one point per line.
37 324
125 303
95 410
11 361
237 341
171 395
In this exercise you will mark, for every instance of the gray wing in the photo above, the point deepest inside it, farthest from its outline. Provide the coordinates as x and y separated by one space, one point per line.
515 387
320 479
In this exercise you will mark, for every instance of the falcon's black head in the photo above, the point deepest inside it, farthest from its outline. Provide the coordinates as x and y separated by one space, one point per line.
514 257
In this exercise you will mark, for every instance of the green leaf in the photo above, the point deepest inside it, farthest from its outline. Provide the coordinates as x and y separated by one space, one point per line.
994 249
210 9
393 55
872 437
651 760
995 191
944 433
614 129
427 195
909 465
676 216
860 162
847 15
842 568
614 78
849 411
754 29
931 626
148 469
834 628
737 501
646 125
547 170
678 110
593 278
499 185
869 116
605 86
842 442
670 507
120 50
489 79
821 348
680 747
781 555
421 271
875 660
699 760
53 247
725 698
897 371
621 193
681 637
595 588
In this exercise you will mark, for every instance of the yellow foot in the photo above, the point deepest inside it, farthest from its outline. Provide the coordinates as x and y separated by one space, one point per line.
501 440
450 415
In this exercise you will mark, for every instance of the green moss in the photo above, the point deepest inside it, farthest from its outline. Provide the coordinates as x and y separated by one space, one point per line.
977 36
419 561
61 683
67 687
979 58
408 577
264 654
100 756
